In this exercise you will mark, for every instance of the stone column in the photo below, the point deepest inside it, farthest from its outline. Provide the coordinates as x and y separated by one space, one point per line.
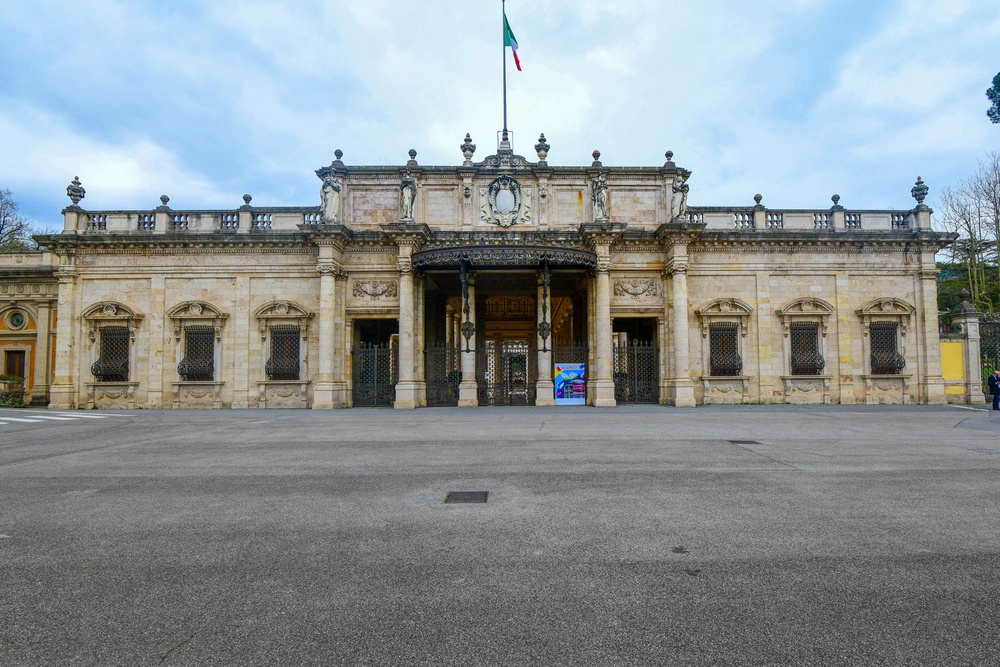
544 386
682 389
62 396
43 339
420 340
966 315
406 387
240 350
325 397
604 384
932 383
468 390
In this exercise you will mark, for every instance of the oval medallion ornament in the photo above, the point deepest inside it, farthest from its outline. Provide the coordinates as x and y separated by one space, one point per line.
504 201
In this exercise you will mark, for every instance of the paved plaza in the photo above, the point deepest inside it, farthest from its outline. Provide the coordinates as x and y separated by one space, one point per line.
647 535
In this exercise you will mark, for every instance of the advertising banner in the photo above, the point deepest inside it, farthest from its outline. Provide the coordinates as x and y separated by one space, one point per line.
570 384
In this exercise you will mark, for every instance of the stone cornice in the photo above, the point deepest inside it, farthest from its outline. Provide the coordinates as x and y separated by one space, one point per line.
776 240
130 243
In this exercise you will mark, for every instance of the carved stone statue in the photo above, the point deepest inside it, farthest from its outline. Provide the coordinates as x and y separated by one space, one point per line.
679 199
407 195
330 198
599 196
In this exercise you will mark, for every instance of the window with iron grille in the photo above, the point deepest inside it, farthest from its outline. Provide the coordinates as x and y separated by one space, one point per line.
806 356
724 349
198 364
284 361
885 356
112 365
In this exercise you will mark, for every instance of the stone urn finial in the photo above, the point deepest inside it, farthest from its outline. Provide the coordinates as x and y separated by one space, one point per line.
836 203
75 191
246 199
412 162
919 191
669 164
542 148
163 201
757 199
597 158
468 149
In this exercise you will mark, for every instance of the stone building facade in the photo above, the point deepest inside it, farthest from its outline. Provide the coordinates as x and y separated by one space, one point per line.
478 284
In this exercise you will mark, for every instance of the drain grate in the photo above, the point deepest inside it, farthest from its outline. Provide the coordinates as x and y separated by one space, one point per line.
742 442
466 496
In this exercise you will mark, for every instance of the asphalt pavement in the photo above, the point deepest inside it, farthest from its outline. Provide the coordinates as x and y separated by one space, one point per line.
641 535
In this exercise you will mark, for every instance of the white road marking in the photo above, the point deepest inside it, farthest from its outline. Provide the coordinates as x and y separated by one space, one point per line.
18 419
76 416
63 419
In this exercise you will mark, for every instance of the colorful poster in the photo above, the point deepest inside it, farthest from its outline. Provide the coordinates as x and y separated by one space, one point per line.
571 384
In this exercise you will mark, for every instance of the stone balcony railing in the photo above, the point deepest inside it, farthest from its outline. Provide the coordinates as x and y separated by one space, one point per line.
751 218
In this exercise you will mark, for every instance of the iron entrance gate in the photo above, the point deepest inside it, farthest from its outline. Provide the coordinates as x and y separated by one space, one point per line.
989 350
442 369
637 373
374 375
506 373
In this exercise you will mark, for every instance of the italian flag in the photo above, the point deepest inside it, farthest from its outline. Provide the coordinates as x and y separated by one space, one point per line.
511 41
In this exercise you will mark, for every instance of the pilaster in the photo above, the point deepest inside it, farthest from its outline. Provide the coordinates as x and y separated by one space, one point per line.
680 386
43 341
62 396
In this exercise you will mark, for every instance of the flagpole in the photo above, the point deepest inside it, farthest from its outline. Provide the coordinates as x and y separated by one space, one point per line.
503 46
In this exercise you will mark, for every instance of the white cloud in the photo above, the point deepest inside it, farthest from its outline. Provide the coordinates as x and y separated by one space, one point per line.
129 175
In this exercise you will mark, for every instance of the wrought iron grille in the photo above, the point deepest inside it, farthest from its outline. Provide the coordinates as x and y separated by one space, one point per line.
724 349
284 361
989 350
806 357
442 369
637 372
374 375
112 365
198 364
885 356
506 373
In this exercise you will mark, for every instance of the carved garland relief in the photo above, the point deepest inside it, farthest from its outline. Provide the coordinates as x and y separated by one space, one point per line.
376 289
636 288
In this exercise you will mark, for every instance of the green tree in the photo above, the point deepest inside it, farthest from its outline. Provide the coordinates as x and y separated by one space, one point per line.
972 209
15 230
993 94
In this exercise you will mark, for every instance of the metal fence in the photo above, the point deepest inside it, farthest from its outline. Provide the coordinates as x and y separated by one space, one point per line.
442 369
637 372
374 375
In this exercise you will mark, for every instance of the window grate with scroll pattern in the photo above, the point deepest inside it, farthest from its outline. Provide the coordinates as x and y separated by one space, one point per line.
112 365
284 361
806 357
724 349
885 356
198 364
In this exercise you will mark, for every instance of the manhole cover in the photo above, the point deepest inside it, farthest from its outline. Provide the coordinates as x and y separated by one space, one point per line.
743 442
466 496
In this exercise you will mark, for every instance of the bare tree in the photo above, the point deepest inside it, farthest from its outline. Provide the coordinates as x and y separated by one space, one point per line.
15 230
972 209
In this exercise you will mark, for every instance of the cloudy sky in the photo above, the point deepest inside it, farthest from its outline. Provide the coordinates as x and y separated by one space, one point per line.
204 101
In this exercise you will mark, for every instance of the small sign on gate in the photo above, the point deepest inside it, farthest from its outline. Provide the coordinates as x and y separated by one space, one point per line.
570 384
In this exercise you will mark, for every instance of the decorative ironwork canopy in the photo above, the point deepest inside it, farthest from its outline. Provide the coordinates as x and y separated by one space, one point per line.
510 256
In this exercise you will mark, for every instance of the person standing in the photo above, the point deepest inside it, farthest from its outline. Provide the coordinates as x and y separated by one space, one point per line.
994 383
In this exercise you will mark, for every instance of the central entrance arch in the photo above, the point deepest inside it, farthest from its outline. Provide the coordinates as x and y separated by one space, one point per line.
502 310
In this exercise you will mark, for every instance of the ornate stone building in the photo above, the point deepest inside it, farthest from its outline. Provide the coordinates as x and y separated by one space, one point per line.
503 281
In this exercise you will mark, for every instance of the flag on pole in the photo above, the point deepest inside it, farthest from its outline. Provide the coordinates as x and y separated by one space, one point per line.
511 41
